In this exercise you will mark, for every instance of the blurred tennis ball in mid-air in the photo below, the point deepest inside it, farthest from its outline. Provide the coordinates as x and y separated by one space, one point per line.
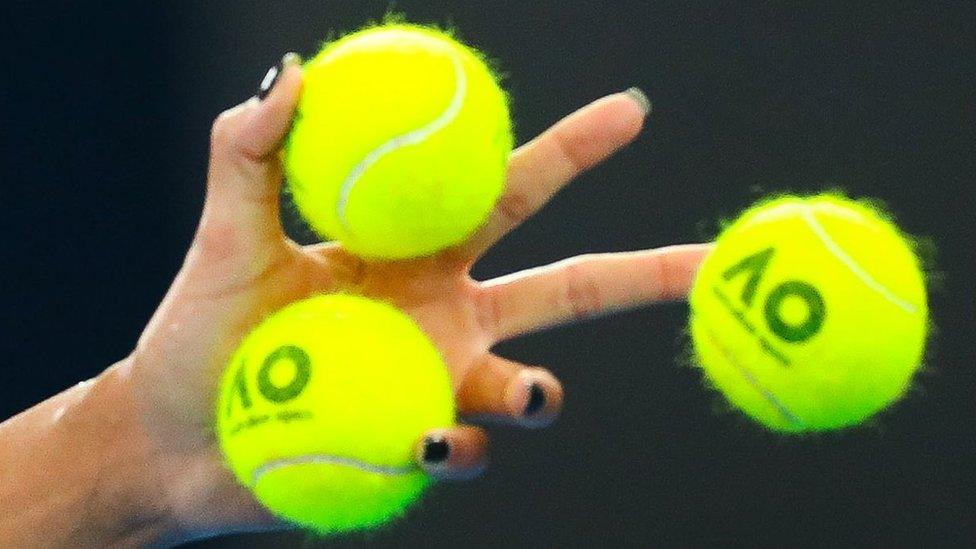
321 407
810 313
400 142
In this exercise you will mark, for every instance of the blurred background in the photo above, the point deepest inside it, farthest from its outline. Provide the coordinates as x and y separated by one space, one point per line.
104 118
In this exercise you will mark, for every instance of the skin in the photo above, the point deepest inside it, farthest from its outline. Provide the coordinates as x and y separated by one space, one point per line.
136 456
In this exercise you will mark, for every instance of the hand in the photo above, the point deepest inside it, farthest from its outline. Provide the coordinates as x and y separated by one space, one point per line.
241 267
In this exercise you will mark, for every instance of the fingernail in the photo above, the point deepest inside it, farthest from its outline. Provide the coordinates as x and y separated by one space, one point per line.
269 82
537 400
638 95
271 77
436 450
291 58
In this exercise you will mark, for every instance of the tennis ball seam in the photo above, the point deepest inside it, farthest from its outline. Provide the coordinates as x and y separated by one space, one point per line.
329 459
753 382
413 137
834 249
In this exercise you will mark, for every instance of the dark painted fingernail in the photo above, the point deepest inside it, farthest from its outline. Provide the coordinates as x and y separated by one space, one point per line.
436 450
271 78
269 81
537 400
641 98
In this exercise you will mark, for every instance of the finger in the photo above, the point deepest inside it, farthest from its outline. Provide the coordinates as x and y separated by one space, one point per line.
588 285
277 99
502 390
541 167
457 453
241 210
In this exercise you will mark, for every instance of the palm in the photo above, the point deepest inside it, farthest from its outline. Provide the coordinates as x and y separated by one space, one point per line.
242 268
202 324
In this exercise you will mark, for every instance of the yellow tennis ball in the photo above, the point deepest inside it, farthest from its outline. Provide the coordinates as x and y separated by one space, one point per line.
321 407
400 142
810 313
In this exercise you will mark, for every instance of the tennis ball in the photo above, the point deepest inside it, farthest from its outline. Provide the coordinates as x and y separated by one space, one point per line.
321 407
400 142
810 313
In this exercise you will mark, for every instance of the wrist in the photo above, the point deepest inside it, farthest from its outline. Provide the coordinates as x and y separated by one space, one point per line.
125 500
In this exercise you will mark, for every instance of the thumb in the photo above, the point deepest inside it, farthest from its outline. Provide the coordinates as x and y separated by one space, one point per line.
241 209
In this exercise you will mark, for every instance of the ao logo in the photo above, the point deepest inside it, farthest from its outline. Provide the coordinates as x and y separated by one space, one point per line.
275 391
754 266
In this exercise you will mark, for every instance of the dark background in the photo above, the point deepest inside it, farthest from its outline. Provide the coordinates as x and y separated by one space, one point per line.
104 117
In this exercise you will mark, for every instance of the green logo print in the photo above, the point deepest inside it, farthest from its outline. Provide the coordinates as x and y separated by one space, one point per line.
755 267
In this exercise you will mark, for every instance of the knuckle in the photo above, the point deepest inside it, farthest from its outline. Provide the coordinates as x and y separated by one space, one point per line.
220 124
222 129
489 313
218 241
515 207
569 149
661 271
582 297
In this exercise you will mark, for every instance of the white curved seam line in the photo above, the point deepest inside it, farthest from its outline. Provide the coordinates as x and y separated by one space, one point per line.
766 394
839 253
411 138
324 459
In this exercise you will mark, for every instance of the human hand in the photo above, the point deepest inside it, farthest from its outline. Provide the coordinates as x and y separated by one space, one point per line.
241 267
